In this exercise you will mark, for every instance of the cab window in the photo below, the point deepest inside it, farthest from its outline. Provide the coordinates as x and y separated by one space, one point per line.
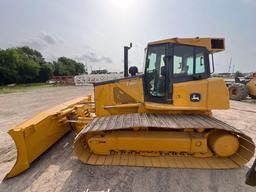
183 63
189 60
200 61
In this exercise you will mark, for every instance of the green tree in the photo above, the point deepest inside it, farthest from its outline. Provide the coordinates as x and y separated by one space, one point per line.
28 70
67 66
9 66
31 52
23 65
26 65
45 72
238 74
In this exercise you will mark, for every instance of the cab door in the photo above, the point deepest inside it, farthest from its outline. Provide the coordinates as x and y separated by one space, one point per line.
156 78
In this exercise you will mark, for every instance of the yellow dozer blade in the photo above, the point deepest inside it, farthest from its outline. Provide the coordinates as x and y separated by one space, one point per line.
36 135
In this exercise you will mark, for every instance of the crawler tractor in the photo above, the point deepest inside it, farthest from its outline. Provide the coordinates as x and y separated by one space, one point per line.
242 89
161 118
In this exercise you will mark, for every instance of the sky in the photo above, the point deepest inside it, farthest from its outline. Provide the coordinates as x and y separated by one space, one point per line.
95 31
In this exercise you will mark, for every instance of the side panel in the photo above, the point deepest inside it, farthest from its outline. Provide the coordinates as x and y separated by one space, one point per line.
206 94
218 95
124 91
126 96
183 91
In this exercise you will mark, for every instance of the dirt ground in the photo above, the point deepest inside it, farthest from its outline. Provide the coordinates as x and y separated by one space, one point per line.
59 170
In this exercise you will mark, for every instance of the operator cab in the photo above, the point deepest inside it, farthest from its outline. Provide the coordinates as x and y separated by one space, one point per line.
170 63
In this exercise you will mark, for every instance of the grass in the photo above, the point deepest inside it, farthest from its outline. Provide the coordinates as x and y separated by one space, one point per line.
24 87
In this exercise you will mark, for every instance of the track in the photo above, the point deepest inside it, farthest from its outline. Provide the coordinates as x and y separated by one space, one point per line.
170 122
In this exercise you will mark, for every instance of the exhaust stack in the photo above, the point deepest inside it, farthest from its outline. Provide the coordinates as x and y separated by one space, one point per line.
126 49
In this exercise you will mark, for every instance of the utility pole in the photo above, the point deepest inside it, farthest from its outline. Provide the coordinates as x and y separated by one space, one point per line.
230 63
233 69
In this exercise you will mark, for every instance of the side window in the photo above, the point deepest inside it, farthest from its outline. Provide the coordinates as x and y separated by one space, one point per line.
200 61
162 65
190 65
177 61
154 76
183 62
152 61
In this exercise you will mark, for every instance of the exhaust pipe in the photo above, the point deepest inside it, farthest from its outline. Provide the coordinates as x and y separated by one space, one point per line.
126 49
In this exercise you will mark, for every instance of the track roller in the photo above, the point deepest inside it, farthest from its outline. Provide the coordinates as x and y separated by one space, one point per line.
222 143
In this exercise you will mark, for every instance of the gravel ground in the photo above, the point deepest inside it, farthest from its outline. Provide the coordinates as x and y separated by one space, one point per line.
59 170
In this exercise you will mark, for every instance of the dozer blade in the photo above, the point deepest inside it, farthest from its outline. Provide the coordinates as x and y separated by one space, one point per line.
132 139
36 135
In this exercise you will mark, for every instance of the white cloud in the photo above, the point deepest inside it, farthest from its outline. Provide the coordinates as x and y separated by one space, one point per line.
33 43
94 58
41 41
48 39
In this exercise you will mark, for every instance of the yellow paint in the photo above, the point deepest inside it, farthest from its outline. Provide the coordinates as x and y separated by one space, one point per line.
182 92
218 96
36 135
251 85
147 142
104 96
223 144
213 91
203 42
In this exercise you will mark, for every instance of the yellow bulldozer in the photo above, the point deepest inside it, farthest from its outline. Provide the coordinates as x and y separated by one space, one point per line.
241 89
161 118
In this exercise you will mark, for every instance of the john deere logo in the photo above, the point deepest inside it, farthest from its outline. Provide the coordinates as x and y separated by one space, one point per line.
195 97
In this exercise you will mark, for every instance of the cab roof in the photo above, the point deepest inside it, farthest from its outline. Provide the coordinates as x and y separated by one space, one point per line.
212 44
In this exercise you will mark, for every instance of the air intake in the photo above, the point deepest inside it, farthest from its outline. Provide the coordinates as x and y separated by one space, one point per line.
217 43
